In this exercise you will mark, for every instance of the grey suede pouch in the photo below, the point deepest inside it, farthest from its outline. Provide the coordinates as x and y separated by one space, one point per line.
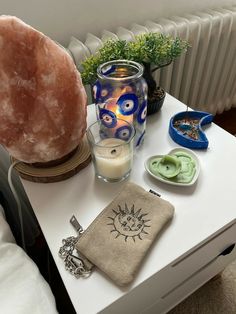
119 238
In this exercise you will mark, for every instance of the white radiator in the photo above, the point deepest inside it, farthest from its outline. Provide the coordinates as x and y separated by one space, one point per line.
204 77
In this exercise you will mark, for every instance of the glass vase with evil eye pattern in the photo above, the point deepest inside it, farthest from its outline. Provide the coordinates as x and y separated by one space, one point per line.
120 92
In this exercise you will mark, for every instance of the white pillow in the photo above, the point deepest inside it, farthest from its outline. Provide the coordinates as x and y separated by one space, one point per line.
23 290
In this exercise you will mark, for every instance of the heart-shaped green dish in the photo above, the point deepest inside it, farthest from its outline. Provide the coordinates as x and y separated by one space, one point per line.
179 167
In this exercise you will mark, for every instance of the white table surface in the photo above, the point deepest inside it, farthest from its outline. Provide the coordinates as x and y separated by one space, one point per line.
200 210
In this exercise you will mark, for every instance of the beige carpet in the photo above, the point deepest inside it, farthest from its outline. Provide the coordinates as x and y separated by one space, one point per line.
218 296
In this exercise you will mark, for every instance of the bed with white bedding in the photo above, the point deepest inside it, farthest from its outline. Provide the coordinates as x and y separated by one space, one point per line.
22 288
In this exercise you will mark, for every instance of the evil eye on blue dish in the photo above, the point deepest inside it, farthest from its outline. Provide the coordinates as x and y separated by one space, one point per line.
123 133
140 139
141 116
97 90
108 69
108 118
128 104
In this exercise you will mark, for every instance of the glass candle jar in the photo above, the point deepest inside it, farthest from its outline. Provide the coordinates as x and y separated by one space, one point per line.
120 92
112 149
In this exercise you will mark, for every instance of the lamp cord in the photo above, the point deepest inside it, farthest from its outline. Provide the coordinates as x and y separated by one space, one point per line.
18 203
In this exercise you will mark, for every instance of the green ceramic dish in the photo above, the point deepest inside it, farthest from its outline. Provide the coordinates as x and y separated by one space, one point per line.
184 175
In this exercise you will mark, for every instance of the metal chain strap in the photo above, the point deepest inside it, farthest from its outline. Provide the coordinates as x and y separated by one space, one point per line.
74 264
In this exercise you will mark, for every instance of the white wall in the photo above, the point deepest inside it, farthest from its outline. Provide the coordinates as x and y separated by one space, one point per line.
59 19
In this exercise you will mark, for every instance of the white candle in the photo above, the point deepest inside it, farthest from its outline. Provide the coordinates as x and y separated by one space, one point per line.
113 158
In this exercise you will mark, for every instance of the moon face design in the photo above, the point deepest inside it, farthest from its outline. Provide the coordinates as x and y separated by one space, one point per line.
129 223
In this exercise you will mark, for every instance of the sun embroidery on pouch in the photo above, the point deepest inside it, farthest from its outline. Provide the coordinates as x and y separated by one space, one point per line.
129 223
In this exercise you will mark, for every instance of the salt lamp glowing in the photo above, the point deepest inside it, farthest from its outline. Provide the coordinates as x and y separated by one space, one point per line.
42 99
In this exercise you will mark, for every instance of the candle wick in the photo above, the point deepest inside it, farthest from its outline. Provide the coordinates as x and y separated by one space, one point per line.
113 151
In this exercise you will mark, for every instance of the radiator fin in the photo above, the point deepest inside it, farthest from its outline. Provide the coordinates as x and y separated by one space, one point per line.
204 77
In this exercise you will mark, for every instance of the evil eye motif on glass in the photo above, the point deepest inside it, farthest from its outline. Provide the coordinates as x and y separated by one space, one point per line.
129 88
108 118
124 132
141 116
101 106
106 92
97 90
144 87
108 69
101 92
140 139
103 133
128 104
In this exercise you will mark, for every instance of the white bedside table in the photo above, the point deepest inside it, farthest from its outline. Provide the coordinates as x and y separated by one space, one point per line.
184 257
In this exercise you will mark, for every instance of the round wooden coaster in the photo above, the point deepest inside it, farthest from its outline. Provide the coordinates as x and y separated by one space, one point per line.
79 160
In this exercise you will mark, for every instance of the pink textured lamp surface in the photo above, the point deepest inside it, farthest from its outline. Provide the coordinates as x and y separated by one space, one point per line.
42 99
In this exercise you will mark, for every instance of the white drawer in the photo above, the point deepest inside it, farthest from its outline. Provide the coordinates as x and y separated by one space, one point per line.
192 283
177 274
203 254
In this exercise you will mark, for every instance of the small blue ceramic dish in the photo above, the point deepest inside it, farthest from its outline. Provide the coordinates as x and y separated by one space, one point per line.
185 128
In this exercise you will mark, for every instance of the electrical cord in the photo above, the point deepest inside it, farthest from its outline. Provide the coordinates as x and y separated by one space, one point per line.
18 203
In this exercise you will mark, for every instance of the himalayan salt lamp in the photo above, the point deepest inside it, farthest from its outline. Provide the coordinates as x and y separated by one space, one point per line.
42 99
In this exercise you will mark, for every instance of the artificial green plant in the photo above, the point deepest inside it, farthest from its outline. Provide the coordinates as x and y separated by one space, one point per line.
153 50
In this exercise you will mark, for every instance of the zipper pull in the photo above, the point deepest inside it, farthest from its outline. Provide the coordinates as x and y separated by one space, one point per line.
77 226
77 265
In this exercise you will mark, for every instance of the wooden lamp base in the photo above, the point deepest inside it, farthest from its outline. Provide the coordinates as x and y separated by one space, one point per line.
58 172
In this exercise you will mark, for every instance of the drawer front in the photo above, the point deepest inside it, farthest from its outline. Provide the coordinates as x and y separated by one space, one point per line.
205 252
166 281
191 284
